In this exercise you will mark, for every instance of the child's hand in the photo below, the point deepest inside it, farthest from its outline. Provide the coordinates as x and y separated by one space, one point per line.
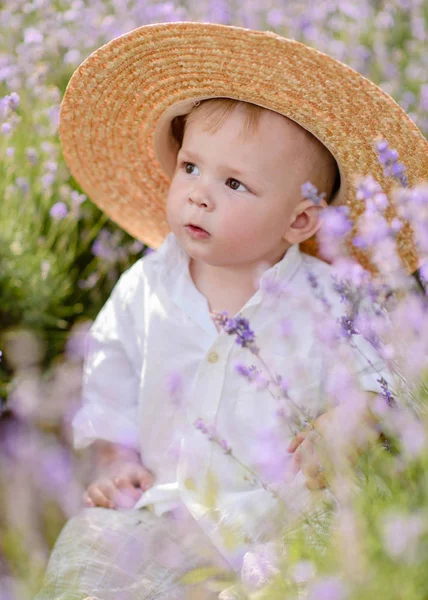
330 428
305 458
120 486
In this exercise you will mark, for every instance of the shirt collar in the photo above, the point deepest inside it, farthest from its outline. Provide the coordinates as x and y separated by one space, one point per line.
176 277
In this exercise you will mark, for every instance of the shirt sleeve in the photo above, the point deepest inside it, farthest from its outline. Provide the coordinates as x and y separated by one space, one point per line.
111 373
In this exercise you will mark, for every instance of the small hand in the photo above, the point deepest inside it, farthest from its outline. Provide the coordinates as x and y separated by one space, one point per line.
336 433
119 487
305 458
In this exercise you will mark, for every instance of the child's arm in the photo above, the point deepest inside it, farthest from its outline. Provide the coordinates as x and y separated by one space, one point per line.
108 418
121 477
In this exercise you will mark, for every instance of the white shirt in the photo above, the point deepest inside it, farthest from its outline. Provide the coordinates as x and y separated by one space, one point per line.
155 330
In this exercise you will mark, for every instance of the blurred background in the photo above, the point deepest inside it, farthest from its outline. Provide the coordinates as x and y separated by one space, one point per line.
60 257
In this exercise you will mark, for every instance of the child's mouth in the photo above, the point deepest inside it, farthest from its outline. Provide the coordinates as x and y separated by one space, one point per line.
196 232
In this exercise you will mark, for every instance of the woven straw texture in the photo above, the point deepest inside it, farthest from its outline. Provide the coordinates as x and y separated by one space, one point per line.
114 100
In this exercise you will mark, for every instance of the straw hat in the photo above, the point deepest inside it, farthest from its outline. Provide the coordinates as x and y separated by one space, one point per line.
116 113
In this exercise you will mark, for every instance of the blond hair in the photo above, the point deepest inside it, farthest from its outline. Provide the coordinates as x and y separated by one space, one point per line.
215 111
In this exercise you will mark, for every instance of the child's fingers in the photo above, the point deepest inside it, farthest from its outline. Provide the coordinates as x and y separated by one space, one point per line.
301 455
103 493
297 440
97 497
316 483
141 477
125 486
313 470
87 501
146 480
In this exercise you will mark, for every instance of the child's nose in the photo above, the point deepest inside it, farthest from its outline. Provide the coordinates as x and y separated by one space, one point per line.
202 196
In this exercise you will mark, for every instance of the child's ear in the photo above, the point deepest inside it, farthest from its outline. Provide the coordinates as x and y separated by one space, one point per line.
305 221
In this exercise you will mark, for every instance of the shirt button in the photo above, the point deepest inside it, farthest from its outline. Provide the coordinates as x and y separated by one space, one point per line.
213 357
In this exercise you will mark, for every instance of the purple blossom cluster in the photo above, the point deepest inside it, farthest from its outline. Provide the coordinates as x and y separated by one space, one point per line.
389 159
310 192
211 433
238 326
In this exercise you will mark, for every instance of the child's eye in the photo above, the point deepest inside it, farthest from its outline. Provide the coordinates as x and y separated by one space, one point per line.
234 184
189 167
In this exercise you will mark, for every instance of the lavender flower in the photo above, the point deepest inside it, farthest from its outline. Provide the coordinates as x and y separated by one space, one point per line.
103 246
401 534
386 393
335 226
211 433
389 160
238 326
259 565
8 104
347 326
59 211
220 318
200 424
6 128
310 192
77 199
32 156
327 588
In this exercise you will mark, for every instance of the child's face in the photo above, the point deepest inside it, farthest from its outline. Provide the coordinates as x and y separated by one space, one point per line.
244 191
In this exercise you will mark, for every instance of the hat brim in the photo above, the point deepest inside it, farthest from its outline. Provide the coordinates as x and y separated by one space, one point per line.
116 113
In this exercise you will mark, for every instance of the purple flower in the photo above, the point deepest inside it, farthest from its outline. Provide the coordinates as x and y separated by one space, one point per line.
102 246
219 12
386 393
275 17
200 424
240 326
401 535
59 211
347 327
244 371
211 433
388 158
32 156
327 588
220 318
226 446
23 184
270 455
413 436
14 100
313 281
424 97
8 104
259 565
47 180
6 128
135 247
367 188
32 36
310 192
336 222
77 199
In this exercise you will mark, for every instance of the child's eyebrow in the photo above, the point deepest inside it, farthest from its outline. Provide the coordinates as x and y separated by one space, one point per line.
191 156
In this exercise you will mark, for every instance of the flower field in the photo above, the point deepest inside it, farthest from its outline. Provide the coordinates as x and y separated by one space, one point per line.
60 258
